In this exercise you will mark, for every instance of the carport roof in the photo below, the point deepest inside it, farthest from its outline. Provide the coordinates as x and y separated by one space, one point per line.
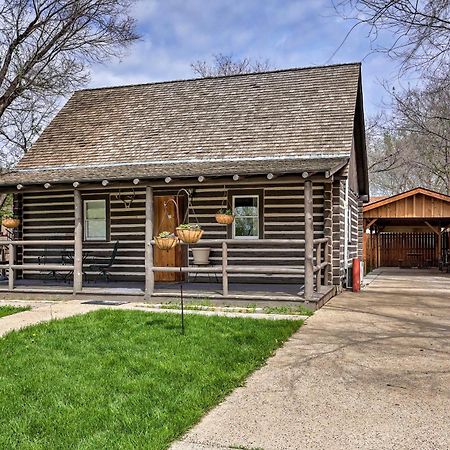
415 207
385 200
418 203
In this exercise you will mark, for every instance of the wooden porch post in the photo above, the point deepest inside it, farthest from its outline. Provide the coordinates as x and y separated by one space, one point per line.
149 274
78 250
309 237
438 246
318 262
11 271
224 269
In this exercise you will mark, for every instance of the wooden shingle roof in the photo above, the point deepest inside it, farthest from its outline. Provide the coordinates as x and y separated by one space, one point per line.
284 120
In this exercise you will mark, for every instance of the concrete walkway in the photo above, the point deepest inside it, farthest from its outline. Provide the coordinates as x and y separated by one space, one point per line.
41 312
368 371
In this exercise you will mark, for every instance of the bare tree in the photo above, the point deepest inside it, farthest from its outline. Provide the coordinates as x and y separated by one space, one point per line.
223 65
412 146
46 47
424 117
421 31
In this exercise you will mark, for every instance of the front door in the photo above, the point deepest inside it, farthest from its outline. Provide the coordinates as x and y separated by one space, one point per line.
166 220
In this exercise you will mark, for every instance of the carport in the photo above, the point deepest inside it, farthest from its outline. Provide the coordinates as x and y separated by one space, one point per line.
407 230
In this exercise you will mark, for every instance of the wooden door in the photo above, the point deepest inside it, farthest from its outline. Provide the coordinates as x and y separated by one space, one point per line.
166 220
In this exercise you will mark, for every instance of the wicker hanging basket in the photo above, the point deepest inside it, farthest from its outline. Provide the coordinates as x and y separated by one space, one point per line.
166 243
10 223
224 219
189 235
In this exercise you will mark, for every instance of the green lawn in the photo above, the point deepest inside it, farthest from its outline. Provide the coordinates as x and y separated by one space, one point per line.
124 379
8 310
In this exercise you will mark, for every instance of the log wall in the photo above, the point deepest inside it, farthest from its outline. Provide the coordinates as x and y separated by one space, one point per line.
50 215
283 218
345 251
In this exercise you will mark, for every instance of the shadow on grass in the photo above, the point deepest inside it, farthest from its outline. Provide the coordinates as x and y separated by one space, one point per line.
163 324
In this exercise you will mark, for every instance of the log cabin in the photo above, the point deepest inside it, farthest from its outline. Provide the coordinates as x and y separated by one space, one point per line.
284 150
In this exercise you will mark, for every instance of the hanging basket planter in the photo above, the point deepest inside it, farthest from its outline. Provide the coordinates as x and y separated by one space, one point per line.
224 218
189 234
166 241
10 223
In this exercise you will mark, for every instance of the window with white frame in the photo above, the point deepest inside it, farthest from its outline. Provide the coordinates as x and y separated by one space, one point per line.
95 220
246 211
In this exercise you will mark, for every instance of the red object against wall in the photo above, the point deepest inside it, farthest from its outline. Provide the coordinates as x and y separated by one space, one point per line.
356 276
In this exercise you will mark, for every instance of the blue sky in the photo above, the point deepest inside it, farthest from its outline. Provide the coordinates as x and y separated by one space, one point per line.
289 33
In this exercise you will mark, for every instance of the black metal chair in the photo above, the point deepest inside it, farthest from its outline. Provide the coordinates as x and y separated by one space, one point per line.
103 265
47 258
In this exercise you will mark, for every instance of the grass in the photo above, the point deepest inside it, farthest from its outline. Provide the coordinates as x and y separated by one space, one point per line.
299 310
124 379
8 310
192 305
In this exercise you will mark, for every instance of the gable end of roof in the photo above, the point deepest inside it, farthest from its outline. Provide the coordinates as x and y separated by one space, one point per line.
392 199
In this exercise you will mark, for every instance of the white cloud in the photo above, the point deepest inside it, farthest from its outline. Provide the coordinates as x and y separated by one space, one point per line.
290 33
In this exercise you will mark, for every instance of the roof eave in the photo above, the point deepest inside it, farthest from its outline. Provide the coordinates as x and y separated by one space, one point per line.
402 195
360 142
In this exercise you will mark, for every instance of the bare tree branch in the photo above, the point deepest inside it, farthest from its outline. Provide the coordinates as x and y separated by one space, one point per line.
421 30
413 146
223 65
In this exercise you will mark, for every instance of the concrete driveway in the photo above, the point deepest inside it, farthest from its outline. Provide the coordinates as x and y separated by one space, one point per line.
368 371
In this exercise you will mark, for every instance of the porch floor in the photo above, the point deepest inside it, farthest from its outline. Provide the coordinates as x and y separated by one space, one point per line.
137 287
132 291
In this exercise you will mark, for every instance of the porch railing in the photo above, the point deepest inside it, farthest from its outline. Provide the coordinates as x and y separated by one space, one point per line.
12 267
321 263
320 270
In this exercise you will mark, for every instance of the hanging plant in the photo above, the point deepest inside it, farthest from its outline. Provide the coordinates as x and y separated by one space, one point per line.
189 233
225 216
166 240
9 220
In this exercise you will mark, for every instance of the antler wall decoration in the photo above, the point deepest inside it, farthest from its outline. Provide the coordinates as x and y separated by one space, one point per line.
126 199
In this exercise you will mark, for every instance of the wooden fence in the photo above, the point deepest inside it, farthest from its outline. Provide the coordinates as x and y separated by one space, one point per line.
402 250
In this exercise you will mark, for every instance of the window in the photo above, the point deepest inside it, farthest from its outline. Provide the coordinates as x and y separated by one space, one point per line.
95 220
246 222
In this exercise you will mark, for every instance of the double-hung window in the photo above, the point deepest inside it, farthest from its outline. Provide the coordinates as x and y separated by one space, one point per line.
247 220
95 220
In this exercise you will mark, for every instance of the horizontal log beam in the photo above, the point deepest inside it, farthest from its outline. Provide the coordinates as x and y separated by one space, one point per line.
249 242
158 183
71 242
42 267
193 269
269 270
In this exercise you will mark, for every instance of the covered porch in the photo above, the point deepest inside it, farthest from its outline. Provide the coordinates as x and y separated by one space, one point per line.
311 281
